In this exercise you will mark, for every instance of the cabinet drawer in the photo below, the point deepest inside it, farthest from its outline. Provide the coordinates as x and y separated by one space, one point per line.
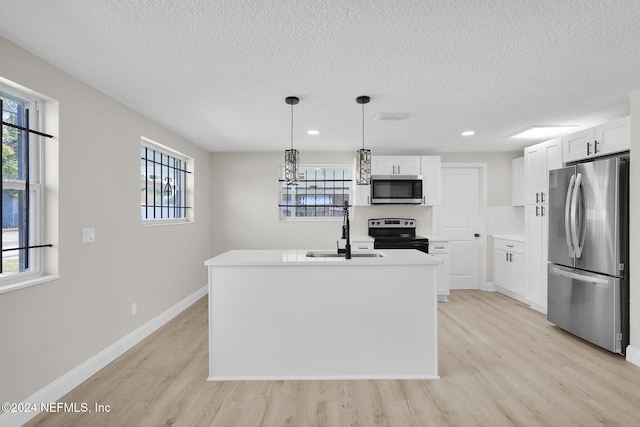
509 246
361 246
438 248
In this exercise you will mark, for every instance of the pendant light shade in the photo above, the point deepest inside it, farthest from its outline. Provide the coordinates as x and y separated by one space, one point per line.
291 156
363 157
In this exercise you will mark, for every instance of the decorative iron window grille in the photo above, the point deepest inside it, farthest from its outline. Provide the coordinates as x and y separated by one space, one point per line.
16 216
321 192
163 184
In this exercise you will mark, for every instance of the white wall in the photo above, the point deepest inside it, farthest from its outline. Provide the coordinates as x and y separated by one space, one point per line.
498 172
49 329
634 234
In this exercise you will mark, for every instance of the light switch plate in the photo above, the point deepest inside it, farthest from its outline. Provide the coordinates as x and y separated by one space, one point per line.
88 235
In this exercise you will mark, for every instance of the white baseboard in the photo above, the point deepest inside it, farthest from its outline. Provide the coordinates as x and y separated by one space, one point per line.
491 287
63 385
539 308
633 355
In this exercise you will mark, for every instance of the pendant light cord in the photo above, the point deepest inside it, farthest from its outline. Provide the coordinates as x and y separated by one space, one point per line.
292 126
363 126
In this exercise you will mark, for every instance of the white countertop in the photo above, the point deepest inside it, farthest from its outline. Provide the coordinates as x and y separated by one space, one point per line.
512 237
437 238
278 257
361 238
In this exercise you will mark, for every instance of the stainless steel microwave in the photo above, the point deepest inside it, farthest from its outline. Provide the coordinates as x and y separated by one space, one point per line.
396 189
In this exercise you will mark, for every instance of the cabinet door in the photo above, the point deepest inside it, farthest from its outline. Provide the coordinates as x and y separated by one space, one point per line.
443 272
361 195
552 153
431 176
612 137
518 273
578 145
501 268
536 229
408 165
533 165
383 165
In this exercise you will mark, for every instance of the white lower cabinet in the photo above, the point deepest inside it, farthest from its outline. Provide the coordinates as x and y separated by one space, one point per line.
361 243
509 266
440 249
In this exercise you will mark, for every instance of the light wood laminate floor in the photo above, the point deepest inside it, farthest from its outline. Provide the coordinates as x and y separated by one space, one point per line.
501 364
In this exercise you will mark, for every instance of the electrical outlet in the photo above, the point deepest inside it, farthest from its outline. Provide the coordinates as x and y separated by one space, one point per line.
134 309
88 235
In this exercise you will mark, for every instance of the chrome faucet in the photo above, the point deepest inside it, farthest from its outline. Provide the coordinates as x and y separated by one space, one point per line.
346 233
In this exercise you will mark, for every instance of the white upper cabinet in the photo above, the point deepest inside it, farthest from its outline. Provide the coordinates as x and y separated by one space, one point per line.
539 159
608 138
431 177
395 165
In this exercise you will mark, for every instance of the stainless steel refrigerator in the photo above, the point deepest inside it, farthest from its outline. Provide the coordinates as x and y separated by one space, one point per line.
588 287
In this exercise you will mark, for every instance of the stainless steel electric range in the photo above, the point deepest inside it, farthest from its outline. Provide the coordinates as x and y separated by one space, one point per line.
396 233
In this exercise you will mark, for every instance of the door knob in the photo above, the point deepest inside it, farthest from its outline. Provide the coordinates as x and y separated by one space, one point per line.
476 235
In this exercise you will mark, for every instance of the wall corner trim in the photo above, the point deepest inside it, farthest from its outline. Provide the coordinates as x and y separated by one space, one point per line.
633 355
61 386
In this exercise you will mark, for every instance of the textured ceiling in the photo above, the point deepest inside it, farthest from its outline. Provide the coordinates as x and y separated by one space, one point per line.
217 72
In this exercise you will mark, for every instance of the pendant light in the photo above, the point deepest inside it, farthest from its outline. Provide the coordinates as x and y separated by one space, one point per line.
363 157
291 156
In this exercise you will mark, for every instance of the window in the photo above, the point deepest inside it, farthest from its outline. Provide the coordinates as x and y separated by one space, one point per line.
21 214
163 185
320 193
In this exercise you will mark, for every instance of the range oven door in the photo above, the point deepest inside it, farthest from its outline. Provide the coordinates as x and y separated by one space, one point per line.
419 244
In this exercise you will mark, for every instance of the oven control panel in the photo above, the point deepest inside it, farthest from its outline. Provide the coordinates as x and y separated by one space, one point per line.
392 223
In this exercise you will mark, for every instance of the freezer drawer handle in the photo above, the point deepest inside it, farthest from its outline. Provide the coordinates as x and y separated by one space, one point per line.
580 277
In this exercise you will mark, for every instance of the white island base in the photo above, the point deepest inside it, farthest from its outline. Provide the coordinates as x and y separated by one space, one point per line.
281 315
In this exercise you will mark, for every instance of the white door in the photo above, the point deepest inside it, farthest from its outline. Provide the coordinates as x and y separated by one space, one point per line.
460 218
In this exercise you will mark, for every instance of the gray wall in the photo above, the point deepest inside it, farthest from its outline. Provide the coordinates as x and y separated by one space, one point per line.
245 194
49 329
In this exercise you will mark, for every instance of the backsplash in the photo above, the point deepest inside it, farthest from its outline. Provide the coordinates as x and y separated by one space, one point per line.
362 214
505 220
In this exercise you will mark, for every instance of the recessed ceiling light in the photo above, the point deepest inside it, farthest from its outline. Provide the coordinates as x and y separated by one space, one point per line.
542 131
468 133
313 132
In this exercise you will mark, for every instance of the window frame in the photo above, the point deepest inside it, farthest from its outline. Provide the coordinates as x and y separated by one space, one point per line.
349 193
15 280
186 170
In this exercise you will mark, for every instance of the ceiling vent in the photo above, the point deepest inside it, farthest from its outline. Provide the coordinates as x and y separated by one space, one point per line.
391 116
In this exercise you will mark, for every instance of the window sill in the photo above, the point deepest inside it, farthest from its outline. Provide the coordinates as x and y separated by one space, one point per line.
313 219
164 223
27 283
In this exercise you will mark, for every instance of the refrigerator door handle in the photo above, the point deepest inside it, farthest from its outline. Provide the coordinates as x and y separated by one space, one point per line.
577 222
567 216
579 277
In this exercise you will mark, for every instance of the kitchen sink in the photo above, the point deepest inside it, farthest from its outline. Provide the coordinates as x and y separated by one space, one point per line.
336 255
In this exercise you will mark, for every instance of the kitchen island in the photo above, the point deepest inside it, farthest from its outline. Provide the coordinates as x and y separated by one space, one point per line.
282 314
